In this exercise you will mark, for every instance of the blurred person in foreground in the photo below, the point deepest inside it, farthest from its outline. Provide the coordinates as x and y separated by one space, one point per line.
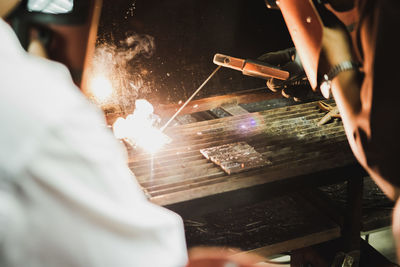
360 73
67 197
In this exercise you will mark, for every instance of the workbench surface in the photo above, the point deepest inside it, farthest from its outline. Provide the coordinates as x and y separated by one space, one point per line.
288 137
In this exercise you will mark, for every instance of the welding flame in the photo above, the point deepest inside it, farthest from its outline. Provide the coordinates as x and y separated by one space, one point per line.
101 88
138 128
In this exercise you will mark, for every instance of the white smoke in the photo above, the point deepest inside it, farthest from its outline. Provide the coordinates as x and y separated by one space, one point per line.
119 64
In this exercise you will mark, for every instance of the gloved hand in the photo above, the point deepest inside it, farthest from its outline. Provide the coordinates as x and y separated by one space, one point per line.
296 85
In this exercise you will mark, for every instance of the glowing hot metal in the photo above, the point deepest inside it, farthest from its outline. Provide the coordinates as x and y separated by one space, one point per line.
138 128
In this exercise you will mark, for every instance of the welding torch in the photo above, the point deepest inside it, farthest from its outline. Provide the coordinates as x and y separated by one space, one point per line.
248 67
251 67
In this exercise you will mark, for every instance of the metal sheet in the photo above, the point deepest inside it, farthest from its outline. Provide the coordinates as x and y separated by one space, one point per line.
235 157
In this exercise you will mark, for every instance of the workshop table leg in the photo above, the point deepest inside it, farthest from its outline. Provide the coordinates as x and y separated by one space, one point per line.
335 252
352 221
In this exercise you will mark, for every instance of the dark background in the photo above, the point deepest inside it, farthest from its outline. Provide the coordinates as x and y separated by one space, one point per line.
187 34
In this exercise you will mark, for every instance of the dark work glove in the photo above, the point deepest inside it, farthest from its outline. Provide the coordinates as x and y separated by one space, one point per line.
296 85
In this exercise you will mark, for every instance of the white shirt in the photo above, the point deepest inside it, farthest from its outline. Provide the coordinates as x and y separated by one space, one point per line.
67 197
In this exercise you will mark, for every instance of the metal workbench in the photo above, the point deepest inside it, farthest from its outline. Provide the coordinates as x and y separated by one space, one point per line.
302 155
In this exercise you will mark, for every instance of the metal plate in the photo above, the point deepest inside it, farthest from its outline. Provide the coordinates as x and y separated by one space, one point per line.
235 157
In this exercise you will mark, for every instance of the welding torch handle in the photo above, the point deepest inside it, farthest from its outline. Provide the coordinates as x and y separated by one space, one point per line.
250 67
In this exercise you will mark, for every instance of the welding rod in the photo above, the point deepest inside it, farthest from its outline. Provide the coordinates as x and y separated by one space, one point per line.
189 99
251 67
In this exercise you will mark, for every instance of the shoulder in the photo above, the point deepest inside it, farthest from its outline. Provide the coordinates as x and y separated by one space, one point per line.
37 95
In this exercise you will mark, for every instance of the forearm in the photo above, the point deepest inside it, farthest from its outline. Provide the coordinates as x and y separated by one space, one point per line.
346 91
346 86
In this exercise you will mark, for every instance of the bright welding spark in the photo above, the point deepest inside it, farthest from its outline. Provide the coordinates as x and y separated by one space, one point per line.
143 109
138 128
101 88
120 128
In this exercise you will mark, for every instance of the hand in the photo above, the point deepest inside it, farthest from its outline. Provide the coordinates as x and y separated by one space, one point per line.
221 257
297 85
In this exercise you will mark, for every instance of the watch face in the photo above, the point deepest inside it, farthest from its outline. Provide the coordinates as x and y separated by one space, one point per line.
326 89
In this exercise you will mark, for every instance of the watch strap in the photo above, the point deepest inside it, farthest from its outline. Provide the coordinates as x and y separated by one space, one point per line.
325 86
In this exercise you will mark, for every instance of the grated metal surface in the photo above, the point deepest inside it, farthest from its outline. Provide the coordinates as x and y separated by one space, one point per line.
235 157
288 137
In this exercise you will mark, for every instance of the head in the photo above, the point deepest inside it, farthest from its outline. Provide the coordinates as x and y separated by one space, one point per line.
7 6
60 27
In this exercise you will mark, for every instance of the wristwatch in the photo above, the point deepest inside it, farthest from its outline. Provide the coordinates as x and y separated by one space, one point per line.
326 84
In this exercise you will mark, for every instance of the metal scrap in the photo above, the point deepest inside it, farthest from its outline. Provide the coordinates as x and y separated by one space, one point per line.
235 157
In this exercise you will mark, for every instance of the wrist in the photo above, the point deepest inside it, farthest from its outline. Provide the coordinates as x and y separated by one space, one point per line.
346 88
329 77
345 79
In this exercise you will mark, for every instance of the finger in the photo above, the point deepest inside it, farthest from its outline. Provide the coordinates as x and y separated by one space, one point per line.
302 93
290 91
285 93
274 85
298 93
